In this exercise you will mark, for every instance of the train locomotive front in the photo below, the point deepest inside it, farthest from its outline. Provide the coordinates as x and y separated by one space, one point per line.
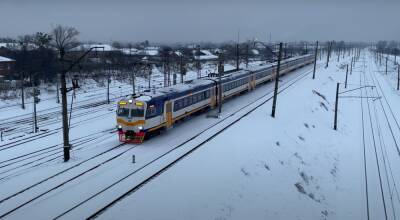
131 120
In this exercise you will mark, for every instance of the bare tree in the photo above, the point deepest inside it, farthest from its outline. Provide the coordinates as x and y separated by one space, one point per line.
25 42
64 38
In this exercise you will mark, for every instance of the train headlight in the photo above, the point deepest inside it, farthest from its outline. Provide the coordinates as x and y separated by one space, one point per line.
130 100
119 127
140 127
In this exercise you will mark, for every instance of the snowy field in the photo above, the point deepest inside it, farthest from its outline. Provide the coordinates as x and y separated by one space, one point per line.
247 165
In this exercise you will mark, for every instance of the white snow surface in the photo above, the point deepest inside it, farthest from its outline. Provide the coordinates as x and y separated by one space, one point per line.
293 166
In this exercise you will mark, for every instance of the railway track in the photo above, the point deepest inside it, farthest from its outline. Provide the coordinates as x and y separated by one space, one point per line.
48 133
382 161
86 171
121 153
51 153
188 141
25 125
374 142
126 89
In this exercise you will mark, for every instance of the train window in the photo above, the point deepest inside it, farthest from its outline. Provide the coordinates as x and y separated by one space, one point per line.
123 112
151 111
194 99
181 104
207 94
137 112
185 102
188 101
191 101
178 104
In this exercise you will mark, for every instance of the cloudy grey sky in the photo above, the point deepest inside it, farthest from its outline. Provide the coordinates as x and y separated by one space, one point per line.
206 20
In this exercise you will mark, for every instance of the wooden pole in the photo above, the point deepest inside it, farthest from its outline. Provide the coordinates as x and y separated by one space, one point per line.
336 106
315 60
398 77
276 81
347 72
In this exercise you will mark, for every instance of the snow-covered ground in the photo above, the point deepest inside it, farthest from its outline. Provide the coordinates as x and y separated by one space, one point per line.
294 166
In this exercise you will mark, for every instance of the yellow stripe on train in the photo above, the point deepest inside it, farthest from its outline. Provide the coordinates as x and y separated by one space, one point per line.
134 123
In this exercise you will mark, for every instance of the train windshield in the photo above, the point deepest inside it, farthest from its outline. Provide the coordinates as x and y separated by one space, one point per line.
123 112
137 112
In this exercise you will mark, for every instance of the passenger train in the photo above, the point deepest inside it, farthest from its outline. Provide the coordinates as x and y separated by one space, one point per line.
140 116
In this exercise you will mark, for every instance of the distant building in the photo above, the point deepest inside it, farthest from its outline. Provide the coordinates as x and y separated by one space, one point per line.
146 52
6 65
102 47
204 55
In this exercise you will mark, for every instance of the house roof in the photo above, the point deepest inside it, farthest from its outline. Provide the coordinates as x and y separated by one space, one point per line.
205 55
82 47
5 59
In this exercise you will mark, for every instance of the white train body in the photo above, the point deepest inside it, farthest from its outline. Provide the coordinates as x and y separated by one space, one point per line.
152 111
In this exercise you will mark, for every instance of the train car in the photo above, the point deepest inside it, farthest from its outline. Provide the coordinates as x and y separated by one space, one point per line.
140 116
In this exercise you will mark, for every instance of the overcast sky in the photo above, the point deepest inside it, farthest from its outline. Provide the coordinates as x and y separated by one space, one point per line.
206 20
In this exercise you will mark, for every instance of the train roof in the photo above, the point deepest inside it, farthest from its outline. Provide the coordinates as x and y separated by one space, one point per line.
201 84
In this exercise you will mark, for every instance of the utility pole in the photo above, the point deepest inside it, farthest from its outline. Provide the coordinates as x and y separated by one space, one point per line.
174 78
64 90
168 70
315 60
133 82
344 51
306 48
22 90
198 64
398 77
108 75
336 106
108 86
328 54
247 55
58 88
150 72
237 56
276 81
182 68
351 65
347 72
284 57
386 66
64 109
220 72
35 101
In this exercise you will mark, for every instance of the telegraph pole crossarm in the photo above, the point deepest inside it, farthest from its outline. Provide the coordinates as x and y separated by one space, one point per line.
74 63
339 93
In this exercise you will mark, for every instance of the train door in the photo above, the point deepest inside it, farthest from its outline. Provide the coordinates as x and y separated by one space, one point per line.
213 97
168 114
253 81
